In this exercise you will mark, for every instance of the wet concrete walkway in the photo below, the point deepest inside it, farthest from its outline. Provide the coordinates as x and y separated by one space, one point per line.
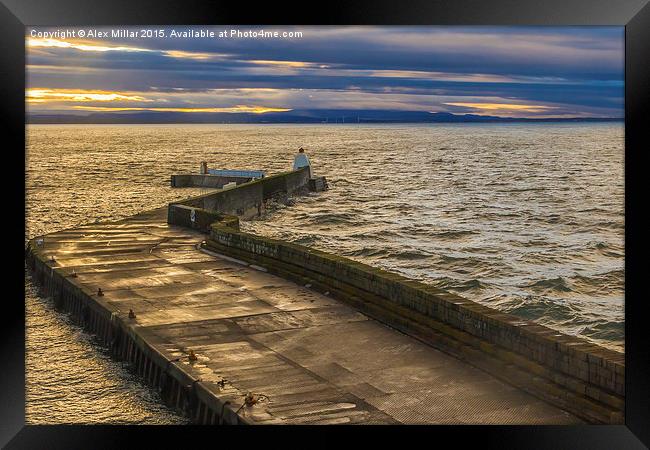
310 358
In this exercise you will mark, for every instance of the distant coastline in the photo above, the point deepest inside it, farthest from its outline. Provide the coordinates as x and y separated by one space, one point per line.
293 117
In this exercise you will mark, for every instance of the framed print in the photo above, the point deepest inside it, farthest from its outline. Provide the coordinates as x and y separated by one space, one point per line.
403 216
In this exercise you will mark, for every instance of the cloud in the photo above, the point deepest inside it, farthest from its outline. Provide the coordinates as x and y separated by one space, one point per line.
291 64
91 46
546 70
502 107
192 55
41 95
87 46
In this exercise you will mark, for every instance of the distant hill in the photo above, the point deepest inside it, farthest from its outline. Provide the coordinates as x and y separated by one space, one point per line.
294 116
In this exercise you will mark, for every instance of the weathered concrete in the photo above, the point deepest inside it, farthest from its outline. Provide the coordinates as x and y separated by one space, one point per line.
580 379
566 371
205 180
569 372
198 218
249 199
318 184
310 358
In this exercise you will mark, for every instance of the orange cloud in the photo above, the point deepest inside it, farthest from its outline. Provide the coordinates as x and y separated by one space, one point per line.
502 106
42 95
292 64
191 55
88 46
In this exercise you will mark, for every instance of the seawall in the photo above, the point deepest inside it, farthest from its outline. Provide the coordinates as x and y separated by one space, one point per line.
155 269
570 372
205 180
248 199
225 341
168 373
578 376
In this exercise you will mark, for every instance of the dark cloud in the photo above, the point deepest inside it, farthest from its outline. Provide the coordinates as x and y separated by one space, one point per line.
579 69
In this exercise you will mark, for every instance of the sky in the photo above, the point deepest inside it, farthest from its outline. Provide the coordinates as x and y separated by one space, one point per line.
532 72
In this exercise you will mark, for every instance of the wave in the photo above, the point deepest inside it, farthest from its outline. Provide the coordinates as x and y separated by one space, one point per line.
615 225
558 284
333 218
410 254
452 234
609 331
609 282
543 258
471 265
597 285
567 317
497 215
526 189
459 285
371 235
534 308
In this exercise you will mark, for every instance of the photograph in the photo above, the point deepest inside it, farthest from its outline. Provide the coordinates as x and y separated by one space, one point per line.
325 225
379 224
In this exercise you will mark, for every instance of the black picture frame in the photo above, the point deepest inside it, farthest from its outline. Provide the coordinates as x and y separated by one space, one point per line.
633 14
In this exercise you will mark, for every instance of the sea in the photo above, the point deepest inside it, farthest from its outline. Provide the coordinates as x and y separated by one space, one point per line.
527 218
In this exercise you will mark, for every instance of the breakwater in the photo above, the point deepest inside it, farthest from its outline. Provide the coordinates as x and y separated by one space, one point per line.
536 360
247 200
572 373
97 312
204 180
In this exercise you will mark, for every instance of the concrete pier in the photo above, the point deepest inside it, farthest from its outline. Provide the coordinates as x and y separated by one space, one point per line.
305 357
237 328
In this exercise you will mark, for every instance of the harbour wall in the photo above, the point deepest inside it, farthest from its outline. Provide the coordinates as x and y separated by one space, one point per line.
182 215
247 200
205 181
570 372
583 378
202 402
132 344
577 376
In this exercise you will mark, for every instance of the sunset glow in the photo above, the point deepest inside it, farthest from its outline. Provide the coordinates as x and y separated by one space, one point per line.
292 64
507 72
501 106
190 55
81 45
36 95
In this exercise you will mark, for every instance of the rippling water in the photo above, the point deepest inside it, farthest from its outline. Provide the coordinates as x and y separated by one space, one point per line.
526 218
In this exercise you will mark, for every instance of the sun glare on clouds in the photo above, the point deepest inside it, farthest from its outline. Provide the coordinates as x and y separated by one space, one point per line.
41 95
501 107
89 46
81 45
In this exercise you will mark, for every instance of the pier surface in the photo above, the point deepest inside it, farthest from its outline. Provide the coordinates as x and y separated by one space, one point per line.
308 358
